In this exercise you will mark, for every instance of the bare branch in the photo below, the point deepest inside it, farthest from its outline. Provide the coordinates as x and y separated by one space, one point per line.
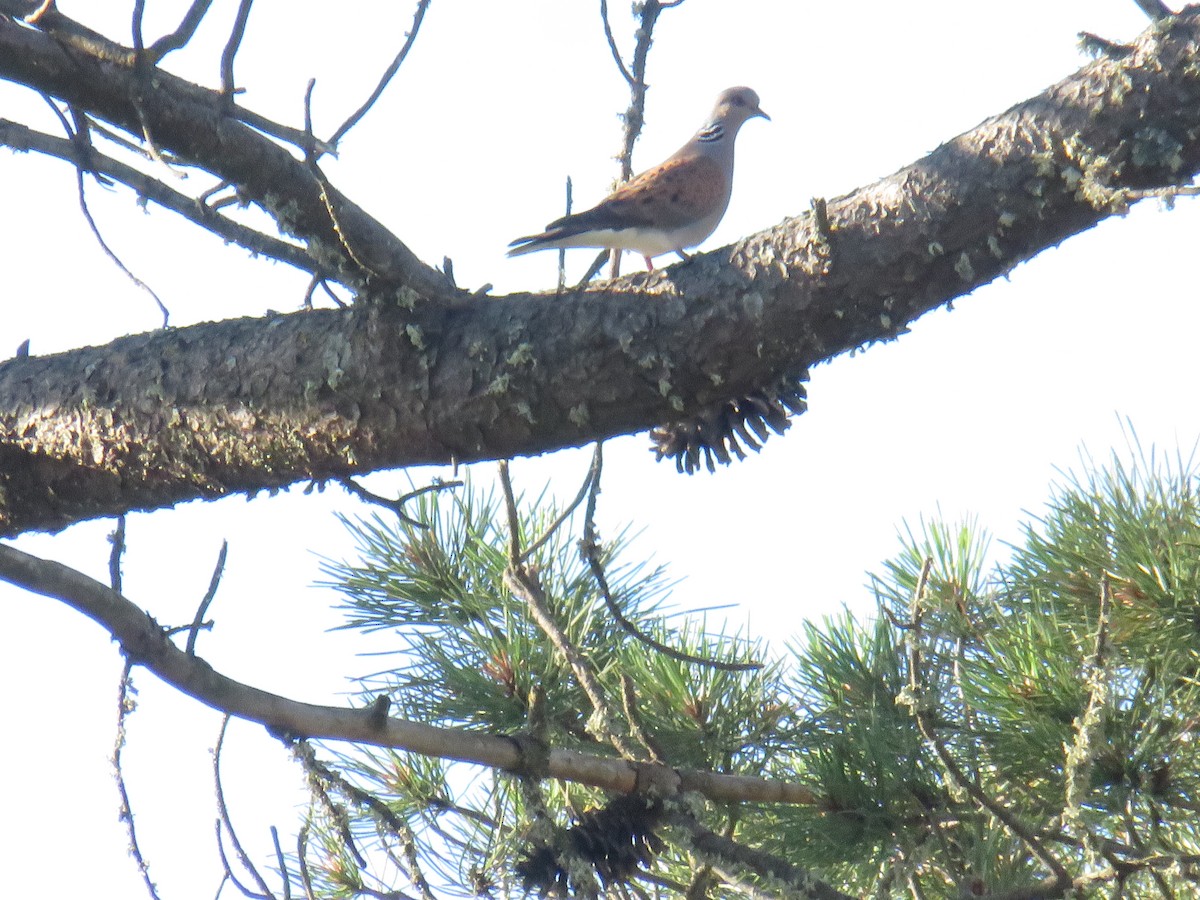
409 38
588 479
589 551
207 600
148 646
139 7
612 44
125 706
524 584
181 35
19 137
237 32
281 861
117 539
194 123
1155 9
302 856
635 115
223 813
108 251
397 505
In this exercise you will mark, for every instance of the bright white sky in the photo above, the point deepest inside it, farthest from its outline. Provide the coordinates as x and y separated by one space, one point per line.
499 101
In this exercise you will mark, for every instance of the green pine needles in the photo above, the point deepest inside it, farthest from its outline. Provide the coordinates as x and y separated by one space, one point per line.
1021 729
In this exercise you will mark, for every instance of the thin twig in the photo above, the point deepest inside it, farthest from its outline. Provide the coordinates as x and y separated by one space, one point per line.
1155 9
139 7
81 158
228 869
334 812
321 281
198 619
117 539
1081 754
327 777
310 157
510 509
524 584
916 701
597 264
589 551
635 115
302 857
87 215
562 252
181 35
397 505
612 43
236 33
19 137
1167 194
279 858
124 707
409 38
592 473
33 17
223 814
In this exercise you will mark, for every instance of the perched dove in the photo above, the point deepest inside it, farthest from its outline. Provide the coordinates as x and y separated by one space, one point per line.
671 207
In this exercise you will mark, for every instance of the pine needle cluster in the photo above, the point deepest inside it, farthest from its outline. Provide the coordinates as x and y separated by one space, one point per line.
1021 729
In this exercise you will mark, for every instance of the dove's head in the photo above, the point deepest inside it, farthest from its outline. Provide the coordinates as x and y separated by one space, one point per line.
735 106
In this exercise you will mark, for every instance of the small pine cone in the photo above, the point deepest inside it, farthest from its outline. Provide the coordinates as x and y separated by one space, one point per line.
617 841
717 435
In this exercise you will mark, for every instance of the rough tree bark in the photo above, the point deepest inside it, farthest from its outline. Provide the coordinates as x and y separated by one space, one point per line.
418 372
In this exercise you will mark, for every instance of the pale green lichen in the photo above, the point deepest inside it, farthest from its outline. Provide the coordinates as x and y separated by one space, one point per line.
1155 148
499 385
406 297
415 336
522 356
963 267
579 415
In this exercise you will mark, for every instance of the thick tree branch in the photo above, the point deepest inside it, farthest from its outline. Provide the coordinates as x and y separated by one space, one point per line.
245 405
147 644
198 125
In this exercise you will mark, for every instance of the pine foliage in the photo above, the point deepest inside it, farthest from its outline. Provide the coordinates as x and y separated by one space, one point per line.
1021 729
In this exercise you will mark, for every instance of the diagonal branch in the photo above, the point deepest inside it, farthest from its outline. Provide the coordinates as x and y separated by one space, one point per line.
181 35
146 644
195 124
409 39
236 33
21 138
